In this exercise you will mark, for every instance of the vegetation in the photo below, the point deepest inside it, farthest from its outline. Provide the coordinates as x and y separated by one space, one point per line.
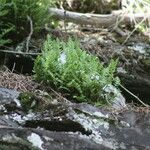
95 6
66 67
138 6
14 15
28 101
4 27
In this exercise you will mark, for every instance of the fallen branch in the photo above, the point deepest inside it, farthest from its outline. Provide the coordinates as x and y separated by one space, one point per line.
20 53
98 20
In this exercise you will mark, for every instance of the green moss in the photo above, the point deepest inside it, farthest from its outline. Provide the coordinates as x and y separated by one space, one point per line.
28 101
35 101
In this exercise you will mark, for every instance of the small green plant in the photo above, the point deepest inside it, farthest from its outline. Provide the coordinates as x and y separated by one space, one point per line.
16 17
28 101
66 67
5 28
139 7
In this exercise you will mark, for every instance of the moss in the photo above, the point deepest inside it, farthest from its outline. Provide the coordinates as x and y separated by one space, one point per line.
35 101
28 101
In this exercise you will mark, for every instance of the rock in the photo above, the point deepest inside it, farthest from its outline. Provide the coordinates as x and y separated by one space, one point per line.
136 61
138 85
119 101
8 95
72 126
31 139
8 99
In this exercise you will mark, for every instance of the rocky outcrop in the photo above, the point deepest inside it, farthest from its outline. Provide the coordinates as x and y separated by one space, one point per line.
70 126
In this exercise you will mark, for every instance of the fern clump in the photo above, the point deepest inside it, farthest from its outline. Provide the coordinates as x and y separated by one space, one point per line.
5 28
66 67
15 24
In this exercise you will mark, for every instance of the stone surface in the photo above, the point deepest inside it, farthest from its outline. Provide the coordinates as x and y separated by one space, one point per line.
28 139
71 126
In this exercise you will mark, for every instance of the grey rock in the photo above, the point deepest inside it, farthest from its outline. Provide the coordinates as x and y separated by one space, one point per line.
72 126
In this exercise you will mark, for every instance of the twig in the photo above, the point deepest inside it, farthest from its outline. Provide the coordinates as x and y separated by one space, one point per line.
13 67
57 94
119 31
133 31
134 96
65 21
22 53
30 34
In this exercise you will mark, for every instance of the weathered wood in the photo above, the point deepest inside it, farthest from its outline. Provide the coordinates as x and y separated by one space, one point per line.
98 20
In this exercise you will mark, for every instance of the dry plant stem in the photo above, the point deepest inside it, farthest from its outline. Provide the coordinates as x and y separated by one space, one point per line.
119 31
133 31
22 53
30 34
134 96
13 67
65 21
57 94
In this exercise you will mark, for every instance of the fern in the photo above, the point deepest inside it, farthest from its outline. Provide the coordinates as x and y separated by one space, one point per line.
66 67
14 18
4 28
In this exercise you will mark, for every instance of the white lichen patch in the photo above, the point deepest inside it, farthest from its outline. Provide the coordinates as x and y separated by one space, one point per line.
48 138
111 143
7 137
17 102
122 145
105 124
121 70
6 117
2 108
139 48
119 101
62 58
111 89
99 114
17 117
96 137
95 77
29 116
125 124
10 137
36 140
93 125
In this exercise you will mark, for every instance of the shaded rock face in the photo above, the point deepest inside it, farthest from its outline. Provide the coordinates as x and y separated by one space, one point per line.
27 139
134 61
65 125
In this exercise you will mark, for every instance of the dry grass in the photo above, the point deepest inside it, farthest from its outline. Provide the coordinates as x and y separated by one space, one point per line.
15 81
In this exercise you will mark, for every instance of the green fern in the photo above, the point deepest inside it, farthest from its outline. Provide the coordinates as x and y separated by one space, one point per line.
66 67
14 18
